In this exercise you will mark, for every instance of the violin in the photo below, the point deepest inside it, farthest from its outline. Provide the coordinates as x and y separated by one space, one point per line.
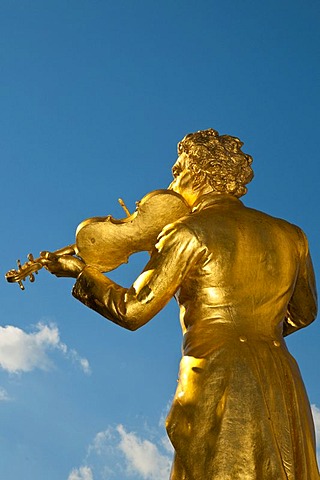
106 242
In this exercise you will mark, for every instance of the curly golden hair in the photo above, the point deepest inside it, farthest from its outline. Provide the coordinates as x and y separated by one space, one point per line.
217 160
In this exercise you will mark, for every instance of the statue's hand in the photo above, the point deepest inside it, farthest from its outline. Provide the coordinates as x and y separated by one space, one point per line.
62 266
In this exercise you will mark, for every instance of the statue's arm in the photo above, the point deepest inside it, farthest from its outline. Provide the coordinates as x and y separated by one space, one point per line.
302 308
175 252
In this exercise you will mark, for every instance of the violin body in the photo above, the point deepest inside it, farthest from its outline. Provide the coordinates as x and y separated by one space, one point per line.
106 243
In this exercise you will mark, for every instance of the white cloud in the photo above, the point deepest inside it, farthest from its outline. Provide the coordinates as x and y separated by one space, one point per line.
23 352
4 396
316 419
84 364
82 473
143 457
118 453
75 357
167 445
102 442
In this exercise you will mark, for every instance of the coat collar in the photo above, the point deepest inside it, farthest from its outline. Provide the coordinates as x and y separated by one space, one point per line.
213 198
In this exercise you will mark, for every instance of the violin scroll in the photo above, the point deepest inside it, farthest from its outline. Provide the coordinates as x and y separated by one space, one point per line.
32 266
28 269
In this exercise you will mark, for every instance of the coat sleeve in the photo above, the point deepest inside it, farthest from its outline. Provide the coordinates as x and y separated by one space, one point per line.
302 308
174 254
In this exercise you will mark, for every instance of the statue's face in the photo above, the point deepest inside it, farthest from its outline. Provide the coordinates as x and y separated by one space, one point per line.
182 182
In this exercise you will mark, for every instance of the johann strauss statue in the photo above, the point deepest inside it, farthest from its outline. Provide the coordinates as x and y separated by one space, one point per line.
243 281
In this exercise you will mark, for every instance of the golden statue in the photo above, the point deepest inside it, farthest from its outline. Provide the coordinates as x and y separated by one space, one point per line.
243 281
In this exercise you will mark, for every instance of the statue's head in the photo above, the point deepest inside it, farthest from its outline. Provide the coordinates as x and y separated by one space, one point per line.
216 162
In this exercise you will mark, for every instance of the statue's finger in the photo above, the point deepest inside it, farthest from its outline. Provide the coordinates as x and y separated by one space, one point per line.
49 256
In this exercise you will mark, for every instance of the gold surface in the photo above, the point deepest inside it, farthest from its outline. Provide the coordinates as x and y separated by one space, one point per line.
106 243
243 281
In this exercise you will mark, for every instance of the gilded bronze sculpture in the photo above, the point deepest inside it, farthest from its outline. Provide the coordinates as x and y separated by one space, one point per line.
243 280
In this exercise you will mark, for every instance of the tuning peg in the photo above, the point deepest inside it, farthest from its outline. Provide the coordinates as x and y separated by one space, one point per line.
21 285
31 277
30 257
19 264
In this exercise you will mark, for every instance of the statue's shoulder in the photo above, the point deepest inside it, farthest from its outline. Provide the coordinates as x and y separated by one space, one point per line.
278 223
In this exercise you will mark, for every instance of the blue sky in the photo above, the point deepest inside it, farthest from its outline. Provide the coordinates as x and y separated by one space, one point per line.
94 98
